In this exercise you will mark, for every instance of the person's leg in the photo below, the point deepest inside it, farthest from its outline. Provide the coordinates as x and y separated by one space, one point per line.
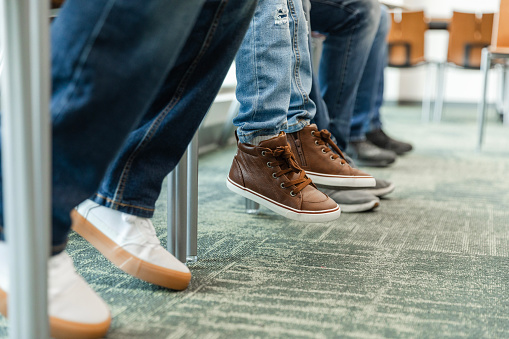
314 150
109 58
272 66
263 65
370 91
372 126
117 221
368 95
366 128
350 27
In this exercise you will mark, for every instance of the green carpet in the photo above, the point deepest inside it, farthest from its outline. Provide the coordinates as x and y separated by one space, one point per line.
432 261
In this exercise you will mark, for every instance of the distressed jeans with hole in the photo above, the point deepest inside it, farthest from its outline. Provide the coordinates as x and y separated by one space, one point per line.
274 72
129 77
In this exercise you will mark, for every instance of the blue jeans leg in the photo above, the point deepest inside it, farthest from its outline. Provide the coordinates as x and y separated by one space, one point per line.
369 99
350 27
133 181
108 60
263 65
302 109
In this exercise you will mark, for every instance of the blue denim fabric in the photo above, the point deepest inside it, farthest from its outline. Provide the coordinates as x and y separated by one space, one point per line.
110 62
274 72
350 27
366 114
133 182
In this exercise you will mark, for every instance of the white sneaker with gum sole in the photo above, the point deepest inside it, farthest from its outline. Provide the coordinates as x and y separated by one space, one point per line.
130 242
75 310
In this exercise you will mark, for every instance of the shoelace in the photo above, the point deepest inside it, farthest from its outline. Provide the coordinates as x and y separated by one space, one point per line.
324 138
284 157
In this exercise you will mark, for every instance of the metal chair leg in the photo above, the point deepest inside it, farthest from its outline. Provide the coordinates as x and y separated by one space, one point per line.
481 109
252 207
26 162
426 98
505 95
192 200
177 223
439 98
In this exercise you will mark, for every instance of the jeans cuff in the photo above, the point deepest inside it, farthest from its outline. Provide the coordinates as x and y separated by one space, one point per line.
57 249
124 207
374 127
247 138
357 137
297 126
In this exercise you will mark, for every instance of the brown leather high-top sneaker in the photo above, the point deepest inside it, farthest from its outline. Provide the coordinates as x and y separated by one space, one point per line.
322 165
269 175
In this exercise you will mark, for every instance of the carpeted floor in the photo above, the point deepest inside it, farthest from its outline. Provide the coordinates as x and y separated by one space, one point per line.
432 261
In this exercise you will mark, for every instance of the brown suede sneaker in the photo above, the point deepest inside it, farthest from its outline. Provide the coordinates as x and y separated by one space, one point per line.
269 175
322 165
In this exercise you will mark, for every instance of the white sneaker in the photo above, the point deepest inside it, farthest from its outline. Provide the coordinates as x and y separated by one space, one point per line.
130 242
75 310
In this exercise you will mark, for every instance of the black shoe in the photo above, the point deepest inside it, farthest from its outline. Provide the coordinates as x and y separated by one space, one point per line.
382 140
366 154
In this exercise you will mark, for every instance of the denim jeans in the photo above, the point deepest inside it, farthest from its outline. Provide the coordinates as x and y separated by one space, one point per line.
350 27
274 72
366 114
117 67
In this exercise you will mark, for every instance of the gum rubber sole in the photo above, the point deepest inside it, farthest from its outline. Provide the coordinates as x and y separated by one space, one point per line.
63 329
285 211
127 262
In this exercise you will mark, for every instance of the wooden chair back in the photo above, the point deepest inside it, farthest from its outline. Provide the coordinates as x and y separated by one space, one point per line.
57 3
406 38
500 38
469 33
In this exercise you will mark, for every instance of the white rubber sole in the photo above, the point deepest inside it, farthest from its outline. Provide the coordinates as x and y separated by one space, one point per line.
368 206
285 211
341 180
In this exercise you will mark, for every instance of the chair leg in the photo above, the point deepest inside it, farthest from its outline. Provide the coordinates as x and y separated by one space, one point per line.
177 206
192 200
481 109
26 159
505 95
439 97
252 207
426 98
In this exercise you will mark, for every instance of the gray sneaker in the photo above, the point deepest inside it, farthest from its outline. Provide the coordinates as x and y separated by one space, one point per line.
352 201
382 187
367 154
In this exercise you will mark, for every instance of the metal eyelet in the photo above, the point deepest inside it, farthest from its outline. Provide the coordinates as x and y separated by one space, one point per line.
316 142
312 133
292 194
323 151
274 175
268 165
332 158
342 164
282 185
263 153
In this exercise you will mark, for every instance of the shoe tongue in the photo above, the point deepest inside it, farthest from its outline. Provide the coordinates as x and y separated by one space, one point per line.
275 142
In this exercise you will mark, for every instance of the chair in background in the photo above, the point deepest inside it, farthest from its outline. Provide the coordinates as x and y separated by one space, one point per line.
469 33
406 48
498 52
